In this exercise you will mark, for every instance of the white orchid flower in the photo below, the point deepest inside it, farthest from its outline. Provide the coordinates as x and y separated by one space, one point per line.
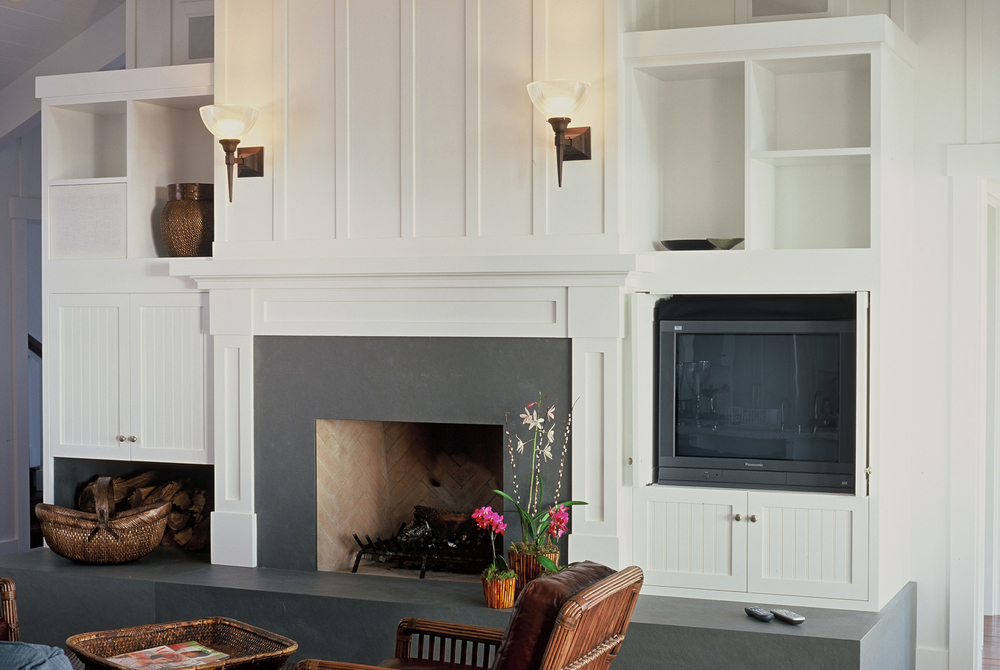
520 446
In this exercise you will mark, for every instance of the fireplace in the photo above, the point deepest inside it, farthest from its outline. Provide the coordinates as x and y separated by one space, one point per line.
372 476
423 380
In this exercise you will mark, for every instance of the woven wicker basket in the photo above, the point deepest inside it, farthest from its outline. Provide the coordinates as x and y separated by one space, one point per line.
103 537
249 647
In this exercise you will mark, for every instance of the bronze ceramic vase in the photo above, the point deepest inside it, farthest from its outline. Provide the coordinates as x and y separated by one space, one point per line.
187 222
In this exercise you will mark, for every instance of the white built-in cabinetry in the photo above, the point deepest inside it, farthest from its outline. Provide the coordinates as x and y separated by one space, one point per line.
129 376
762 542
768 132
798 137
128 365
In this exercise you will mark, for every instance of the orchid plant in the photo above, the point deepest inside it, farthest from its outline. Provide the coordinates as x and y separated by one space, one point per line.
540 527
489 520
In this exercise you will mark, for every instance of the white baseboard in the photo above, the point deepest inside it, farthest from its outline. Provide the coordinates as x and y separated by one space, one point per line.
932 659
234 539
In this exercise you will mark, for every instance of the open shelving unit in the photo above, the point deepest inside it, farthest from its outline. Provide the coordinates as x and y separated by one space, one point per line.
767 132
796 136
114 141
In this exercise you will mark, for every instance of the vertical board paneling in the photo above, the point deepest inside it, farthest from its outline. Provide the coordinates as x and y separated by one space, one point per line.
407 117
89 395
575 50
688 537
594 428
311 106
375 151
440 117
169 373
244 66
87 371
507 117
671 535
342 87
230 388
401 119
808 545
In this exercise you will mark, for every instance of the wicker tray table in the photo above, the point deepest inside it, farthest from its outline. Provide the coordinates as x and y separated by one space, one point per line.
249 647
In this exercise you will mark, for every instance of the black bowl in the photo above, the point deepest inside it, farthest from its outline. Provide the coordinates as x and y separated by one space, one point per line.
688 245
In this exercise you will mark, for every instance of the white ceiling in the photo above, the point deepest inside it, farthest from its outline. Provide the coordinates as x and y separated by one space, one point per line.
30 30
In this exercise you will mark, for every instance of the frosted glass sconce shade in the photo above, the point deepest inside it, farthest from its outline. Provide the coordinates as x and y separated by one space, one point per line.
230 123
558 99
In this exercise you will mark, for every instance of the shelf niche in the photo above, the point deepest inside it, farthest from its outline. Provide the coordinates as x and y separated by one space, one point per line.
810 103
169 144
810 152
688 150
87 141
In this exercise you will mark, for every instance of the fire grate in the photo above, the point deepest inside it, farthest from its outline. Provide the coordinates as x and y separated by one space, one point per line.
436 539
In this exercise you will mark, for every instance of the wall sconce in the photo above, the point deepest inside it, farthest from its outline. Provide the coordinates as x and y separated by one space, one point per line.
230 123
558 99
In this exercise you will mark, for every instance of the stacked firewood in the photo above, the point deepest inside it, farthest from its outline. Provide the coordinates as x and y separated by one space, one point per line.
187 523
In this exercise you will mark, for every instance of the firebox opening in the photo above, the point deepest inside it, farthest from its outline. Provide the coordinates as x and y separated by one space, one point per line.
405 490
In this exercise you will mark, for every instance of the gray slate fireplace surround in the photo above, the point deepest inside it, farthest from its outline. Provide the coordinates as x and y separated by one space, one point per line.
298 380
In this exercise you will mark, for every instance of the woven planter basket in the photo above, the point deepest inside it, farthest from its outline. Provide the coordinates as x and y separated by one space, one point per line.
499 592
103 537
249 647
526 567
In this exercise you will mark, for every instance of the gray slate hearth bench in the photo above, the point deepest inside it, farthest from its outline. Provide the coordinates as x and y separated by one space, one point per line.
679 633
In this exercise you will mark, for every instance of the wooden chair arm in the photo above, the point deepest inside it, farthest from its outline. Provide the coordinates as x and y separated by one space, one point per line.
316 664
469 644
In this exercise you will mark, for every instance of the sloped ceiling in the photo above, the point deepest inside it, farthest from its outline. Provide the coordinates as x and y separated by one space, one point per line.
30 30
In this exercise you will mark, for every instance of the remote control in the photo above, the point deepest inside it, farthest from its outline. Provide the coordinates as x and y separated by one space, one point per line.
758 613
788 616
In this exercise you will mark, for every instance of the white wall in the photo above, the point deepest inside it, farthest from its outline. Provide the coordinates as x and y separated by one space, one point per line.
401 128
87 52
940 31
20 176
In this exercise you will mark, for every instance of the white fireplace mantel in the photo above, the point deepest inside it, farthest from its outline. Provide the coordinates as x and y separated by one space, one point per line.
576 297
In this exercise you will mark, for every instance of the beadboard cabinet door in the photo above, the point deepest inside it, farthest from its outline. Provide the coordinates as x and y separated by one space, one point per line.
87 381
805 544
690 537
170 412
128 377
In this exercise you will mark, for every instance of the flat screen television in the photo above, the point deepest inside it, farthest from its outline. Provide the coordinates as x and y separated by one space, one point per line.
757 392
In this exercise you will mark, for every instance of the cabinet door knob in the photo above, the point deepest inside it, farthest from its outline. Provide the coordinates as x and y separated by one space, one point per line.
753 518
738 517
133 438
121 438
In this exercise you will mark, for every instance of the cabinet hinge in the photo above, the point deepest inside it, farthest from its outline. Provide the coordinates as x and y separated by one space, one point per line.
868 471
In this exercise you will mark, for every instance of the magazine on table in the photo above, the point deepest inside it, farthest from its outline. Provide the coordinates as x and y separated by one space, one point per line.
180 655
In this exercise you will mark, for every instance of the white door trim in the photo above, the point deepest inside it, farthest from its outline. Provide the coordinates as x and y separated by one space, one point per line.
20 211
968 166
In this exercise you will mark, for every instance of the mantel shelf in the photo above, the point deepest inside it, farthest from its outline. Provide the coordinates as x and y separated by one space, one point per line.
610 269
